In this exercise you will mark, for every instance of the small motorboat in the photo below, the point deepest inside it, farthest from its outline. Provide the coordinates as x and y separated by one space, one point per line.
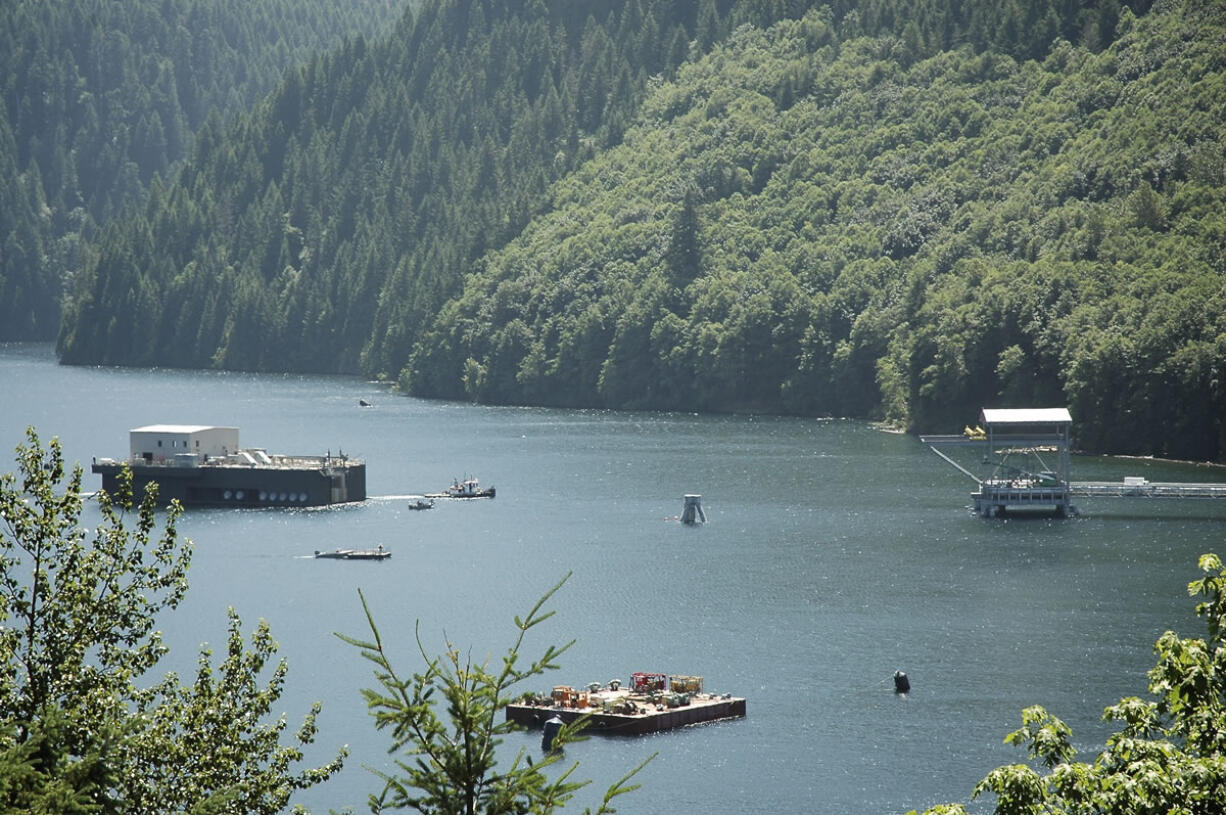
422 503
355 554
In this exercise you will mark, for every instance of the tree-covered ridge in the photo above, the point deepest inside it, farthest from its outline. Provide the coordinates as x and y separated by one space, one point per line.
324 231
320 232
98 97
818 226
799 219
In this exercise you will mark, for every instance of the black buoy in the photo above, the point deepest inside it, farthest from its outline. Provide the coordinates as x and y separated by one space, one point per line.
901 683
550 732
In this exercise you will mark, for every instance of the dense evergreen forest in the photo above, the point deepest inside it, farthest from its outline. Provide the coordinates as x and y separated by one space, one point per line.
828 226
100 97
900 209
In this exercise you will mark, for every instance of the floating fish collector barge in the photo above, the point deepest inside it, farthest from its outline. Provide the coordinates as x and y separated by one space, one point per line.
653 702
203 466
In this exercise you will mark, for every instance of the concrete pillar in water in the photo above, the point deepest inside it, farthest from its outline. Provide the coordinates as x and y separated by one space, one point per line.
693 510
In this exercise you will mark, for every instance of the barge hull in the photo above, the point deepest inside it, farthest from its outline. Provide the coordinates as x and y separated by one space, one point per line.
231 486
698 711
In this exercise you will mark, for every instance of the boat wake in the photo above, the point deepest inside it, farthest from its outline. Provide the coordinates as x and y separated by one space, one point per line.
386 499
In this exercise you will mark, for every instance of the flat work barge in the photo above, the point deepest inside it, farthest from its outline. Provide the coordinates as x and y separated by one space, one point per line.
652 703
354 554
203 466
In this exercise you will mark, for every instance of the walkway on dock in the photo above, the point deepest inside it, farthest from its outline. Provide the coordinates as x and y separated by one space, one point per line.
1115 489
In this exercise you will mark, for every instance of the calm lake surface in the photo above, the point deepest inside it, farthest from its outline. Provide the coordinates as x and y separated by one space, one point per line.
834 555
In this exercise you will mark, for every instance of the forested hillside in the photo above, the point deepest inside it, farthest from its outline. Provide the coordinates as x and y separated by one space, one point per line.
835 227
98 97
895 209
325 231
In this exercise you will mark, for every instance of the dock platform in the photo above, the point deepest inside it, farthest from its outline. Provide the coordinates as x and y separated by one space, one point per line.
630 712
1139 488
994 498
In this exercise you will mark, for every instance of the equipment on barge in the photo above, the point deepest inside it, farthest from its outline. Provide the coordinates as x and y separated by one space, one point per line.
204 466
652 702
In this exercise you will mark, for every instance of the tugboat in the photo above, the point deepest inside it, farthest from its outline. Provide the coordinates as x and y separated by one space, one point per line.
468 488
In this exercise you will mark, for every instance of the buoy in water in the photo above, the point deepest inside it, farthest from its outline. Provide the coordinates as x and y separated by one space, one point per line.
901 683
550 732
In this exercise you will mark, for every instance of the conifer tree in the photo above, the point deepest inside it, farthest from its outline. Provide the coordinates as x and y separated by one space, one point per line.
449 762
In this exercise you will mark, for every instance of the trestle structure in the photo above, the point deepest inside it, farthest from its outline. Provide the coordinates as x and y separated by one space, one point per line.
1024 463
1024 459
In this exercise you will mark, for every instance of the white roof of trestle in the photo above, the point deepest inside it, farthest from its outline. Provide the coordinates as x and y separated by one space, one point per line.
1026 416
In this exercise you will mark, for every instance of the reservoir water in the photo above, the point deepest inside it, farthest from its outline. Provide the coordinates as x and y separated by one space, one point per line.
834 554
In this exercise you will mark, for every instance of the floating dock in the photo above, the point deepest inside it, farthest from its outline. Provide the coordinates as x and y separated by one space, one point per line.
1140 488
654 702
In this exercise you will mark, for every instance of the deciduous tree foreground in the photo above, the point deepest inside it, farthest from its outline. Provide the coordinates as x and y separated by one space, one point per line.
1169 755
84 724
450 765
